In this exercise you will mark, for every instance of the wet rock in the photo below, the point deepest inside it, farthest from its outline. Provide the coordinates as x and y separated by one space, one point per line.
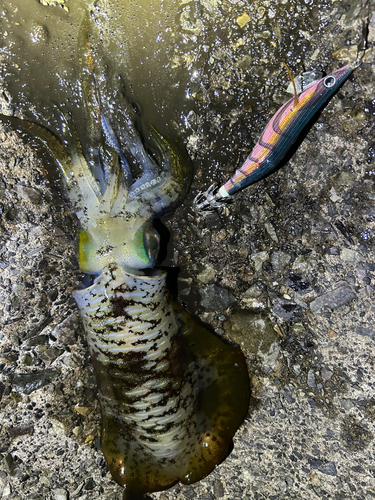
253 331
65 332
30 194
207 276
214 297
27 383
333 299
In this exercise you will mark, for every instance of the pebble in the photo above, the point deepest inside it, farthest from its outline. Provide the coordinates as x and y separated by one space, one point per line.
350 256
365 331
333 299
214 297
311 378
243 20
286 309
258 259
10 464
60 494
207 276
280 260
30 382
329 469
218 489
325 374
30 194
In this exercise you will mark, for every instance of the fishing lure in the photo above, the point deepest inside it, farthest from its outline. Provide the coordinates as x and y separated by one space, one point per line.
282 131
172 394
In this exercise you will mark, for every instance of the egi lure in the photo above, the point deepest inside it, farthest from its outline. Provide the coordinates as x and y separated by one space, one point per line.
282 131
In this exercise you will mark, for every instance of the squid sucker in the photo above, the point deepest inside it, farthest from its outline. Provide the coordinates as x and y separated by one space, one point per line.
172 393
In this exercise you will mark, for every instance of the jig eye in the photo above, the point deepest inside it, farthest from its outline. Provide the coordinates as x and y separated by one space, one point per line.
329 81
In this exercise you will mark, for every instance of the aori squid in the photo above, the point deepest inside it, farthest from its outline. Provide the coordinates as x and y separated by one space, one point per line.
172 394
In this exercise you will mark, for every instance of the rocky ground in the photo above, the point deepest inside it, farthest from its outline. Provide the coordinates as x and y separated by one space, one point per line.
287 271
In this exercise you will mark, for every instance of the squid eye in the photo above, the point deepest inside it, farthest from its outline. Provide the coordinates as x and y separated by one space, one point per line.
151 242
329 81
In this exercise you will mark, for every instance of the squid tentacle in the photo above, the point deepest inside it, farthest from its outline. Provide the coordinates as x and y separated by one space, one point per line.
163 193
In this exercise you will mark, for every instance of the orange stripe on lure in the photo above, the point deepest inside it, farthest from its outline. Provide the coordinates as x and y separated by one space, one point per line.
282 131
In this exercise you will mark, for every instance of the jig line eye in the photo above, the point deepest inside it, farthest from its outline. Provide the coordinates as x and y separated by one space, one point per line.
329 81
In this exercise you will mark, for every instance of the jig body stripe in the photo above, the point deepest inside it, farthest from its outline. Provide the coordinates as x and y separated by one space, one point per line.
283 130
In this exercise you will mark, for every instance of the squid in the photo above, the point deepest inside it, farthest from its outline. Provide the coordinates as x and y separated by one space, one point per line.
281 133
172 394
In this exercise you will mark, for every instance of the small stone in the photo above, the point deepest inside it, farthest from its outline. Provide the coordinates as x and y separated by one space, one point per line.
329 469
7 490
331 333
252 293
10 464
350 256
214 298
189 493
325 374
271 232
286 309
30 382
243 20
207 276
30 194
365 331
218 489
27 360
334 196
36 340
44 480
66 332
280 260
89 484
84 410
333 299
311 378
258 259
60 494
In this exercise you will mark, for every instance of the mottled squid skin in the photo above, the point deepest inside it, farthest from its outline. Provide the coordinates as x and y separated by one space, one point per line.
172 394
